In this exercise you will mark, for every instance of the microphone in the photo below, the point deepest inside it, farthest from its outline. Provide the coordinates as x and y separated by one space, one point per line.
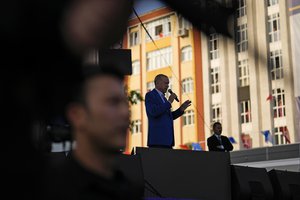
171 92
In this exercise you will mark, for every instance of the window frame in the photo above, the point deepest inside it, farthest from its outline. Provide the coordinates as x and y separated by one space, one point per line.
242 38
243 72
214 46
133 41
276 65
242 8
188 118
137 127
187 85
216 112
166 28
157 59
215 82
186 53
245 112
274 27
136 67
279 98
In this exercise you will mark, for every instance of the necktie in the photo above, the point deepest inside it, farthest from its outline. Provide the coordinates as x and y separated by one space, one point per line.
163 98
220 140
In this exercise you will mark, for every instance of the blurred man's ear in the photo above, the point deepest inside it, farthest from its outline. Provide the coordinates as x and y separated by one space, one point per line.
76 114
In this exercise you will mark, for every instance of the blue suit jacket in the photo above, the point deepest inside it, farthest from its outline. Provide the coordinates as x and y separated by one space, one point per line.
160 120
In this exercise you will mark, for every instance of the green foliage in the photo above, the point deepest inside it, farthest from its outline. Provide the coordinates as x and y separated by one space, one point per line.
134 97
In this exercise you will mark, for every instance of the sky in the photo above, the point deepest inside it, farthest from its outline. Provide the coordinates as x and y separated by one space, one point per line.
144 6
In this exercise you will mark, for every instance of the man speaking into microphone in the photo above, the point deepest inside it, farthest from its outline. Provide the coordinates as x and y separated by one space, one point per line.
160 116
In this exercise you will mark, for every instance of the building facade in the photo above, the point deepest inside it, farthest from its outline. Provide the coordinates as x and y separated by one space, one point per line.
249 82
173 51
294 13
249 79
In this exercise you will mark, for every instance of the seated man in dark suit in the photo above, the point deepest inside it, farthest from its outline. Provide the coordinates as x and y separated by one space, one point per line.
217 142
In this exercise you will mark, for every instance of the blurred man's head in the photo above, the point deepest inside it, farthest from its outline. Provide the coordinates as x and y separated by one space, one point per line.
99 114
161 82
90 24
217 128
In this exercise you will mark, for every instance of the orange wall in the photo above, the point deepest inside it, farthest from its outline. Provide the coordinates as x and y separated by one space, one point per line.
199 86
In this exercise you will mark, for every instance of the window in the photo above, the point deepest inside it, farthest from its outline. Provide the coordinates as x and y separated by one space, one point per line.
188 118
133 38
183 23
242 38
274 27
241 11
280 135
272 2
136 67
276 65
159 28
278 103
136 126
214 46
186 54
216 113
215 82
187 85
150 86
159 58
245 109
243 73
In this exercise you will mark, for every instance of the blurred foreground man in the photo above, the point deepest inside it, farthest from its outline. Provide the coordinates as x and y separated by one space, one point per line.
99 116
43 45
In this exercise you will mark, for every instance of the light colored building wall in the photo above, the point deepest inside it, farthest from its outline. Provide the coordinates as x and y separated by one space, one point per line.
206 85
258 68
233 115
288 68
260 82
261 85
294 12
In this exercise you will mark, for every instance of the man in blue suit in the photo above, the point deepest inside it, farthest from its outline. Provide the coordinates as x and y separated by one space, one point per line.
160 117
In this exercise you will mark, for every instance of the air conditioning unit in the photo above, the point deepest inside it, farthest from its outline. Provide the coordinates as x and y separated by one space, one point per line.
183 32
